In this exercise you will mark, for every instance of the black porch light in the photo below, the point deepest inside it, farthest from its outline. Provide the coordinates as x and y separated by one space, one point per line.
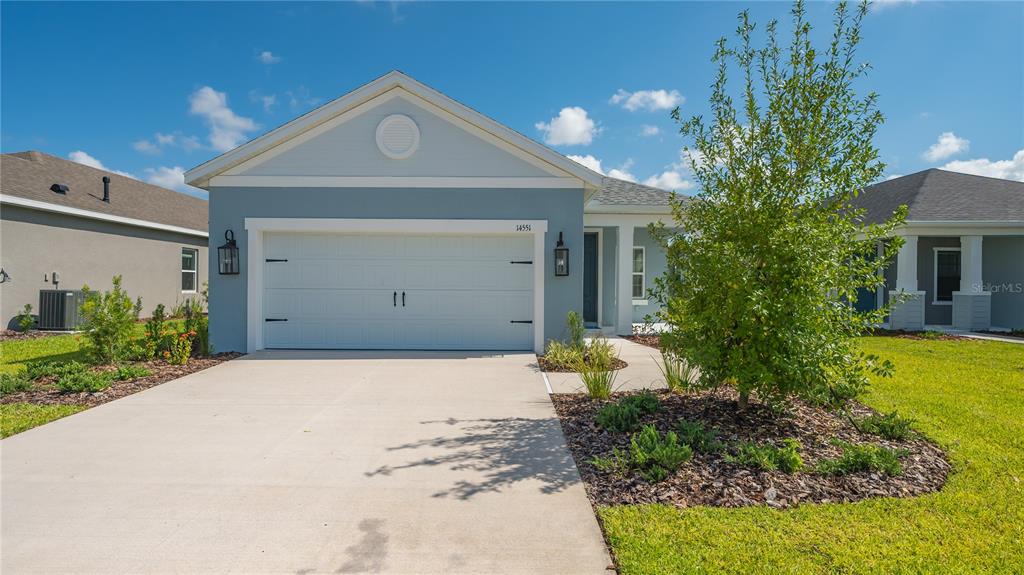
227 255
561 257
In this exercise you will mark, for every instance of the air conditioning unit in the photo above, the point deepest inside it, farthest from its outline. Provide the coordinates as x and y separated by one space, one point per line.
59 309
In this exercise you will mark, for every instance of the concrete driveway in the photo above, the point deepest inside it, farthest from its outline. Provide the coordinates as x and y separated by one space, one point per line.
307 462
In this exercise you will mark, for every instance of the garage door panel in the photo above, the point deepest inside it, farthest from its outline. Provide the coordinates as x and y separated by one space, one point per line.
338 291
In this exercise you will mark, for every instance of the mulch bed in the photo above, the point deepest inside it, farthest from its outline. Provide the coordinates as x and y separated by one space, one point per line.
8 334
45 392
648 340
552 367
932 335
710 480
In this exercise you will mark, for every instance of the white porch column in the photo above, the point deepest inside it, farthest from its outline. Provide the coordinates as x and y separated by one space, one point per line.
972 305
908 314
624 283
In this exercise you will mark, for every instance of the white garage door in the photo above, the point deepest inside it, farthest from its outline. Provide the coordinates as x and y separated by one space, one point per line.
376 291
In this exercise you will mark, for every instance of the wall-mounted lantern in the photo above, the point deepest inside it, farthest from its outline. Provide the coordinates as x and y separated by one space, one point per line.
227 255
561 257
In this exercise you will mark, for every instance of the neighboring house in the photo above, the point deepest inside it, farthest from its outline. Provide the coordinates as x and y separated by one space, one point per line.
962 263
397 218
63 225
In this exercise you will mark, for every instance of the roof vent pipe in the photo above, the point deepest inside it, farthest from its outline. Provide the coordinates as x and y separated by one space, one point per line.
106 189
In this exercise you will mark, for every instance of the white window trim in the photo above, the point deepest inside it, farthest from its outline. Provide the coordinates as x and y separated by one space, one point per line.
195 272
600 271
255 228
935 274
643 276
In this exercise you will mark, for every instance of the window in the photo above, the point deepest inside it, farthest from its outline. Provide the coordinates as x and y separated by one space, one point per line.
639 291
947 274
189 269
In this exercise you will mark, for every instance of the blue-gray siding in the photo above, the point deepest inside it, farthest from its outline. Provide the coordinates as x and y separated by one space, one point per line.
563 209
1003 274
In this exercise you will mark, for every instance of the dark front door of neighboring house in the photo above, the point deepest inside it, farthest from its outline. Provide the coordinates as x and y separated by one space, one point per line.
590 302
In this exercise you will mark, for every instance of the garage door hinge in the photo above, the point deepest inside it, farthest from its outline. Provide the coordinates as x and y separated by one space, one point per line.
276 319
521 321
521 262
273 260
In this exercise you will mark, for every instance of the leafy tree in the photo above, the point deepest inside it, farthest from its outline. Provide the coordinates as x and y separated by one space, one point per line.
765 263
109 320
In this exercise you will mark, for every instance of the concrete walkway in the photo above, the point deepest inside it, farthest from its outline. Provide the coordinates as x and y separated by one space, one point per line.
303 462
642 371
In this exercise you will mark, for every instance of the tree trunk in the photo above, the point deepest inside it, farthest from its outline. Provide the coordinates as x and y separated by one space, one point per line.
743 402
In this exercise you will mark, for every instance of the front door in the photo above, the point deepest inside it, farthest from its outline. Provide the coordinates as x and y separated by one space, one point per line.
590 278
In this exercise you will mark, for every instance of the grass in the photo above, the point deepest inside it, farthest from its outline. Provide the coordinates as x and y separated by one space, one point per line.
964 394
17 417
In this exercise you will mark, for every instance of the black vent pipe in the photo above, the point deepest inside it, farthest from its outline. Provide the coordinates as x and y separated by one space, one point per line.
106 189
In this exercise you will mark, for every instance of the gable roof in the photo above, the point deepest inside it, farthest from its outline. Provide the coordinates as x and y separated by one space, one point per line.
201 175
26 178
936 195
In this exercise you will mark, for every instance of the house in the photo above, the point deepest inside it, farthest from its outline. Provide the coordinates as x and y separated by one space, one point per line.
395 217
63 224
962 263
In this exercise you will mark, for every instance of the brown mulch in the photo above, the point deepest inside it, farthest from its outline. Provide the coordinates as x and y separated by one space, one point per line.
932 335
710 480
8 334
552 367
46 393
648 340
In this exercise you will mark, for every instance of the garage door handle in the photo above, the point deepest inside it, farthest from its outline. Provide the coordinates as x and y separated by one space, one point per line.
403 299
276 319
270 260
521 321
520 262
394 299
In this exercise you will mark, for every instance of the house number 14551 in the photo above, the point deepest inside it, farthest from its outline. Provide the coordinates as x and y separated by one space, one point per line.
523 227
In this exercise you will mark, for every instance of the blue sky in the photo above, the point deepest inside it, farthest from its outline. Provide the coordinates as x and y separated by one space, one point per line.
152 89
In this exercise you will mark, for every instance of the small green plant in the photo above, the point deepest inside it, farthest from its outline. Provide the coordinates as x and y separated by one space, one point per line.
109 320
598 382
930 334
600 353
25 319
561 355
618 462
156 336
38 369
645 402
655 455
698 436
14 382
889 425
865 457
769 457
574 326
181 348
625 414
85 381
126 372
680 376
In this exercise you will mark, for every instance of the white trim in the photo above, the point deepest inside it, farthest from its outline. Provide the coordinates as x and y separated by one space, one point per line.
547 383
615 220
961 228
195 272
200 175
654 211
256 227
642 273
392 182
48 207
408 123
641 302
600 270
935 274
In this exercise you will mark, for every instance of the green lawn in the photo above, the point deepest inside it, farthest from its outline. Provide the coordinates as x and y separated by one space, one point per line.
966 395
17 417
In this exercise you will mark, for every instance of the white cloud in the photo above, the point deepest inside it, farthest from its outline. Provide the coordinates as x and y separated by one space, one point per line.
571 127
146 147
172 178
893 177
877 5
622 172
161 141
648 131
650 100
227 129
268 102
267 57
946 146
669 180
300 100
1012 169
85 159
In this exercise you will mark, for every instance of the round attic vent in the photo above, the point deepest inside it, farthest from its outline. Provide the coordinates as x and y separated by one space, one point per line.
398 136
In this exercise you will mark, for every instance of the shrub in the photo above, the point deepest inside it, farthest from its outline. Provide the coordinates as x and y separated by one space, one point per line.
769 457
37 369
125 372
625 415
109 320
679 375
866 457
618 462
181 348
156 340
197 321
562 355
699 437
598 382
15 382
645 401
889 425
25 318
574 326
599 353
85 381
655 455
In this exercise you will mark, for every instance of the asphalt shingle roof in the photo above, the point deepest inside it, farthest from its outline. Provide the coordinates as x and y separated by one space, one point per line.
31 174
616 192
938 195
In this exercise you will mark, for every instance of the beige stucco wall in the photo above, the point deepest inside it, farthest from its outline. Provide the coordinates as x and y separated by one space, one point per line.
34 244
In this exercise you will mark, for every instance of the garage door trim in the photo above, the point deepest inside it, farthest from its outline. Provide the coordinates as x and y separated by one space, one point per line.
256 227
